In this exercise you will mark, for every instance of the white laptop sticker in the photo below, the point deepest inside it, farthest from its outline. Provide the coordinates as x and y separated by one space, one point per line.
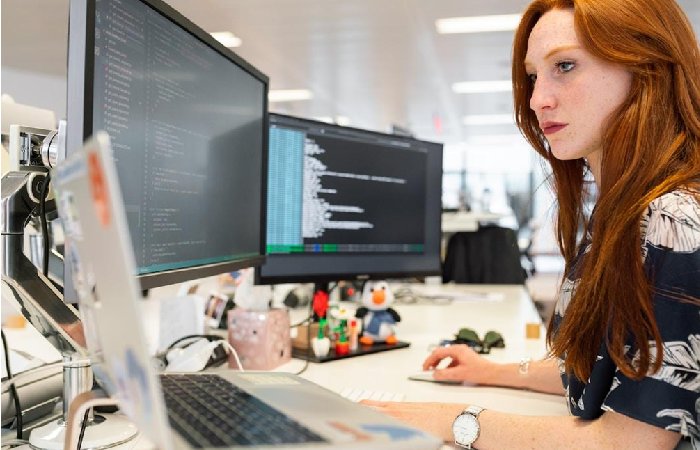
69 216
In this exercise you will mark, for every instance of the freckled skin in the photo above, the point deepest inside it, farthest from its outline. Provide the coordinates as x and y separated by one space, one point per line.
581 92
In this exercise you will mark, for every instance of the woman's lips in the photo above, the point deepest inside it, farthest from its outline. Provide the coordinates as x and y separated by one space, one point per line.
551 127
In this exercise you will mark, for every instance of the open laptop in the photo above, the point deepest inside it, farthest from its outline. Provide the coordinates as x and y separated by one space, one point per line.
226 409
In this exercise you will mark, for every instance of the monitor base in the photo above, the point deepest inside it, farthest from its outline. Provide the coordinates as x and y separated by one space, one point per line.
103 432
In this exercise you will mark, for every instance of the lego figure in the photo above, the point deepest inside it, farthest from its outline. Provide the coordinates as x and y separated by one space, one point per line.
341 315
378 318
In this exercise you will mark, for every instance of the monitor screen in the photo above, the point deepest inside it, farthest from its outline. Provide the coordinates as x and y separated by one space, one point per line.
188 123
345 203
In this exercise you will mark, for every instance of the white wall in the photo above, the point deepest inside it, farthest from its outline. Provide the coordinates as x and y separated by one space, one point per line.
35 89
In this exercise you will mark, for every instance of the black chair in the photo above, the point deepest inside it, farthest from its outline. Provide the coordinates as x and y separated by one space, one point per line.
487 256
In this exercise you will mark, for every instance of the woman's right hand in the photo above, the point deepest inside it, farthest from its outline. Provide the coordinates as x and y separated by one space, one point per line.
466 364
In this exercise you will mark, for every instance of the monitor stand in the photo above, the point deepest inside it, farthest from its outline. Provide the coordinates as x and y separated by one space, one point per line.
103 432
100 431
321 291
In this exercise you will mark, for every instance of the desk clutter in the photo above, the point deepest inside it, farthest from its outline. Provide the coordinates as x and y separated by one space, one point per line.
341 332
261 335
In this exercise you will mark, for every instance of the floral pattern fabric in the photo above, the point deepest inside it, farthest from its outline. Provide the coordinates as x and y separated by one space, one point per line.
669 398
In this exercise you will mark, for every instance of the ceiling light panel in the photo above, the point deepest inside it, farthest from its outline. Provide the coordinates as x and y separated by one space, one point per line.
477 24
227 39
289 95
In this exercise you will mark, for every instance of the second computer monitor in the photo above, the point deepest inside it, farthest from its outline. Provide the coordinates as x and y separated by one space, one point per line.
346 203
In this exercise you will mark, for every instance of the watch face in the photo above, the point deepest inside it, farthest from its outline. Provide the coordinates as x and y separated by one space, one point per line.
465 429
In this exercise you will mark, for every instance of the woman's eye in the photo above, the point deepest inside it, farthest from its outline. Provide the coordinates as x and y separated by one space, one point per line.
564 66
532 77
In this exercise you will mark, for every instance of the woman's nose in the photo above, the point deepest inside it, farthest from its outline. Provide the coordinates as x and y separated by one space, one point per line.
542 96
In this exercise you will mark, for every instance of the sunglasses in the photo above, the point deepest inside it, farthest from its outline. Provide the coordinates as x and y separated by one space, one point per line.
492 339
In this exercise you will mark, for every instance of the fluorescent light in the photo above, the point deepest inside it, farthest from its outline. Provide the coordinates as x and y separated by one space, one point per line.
343 121
477 87
289 95
478 24
339 120
227 38
489 119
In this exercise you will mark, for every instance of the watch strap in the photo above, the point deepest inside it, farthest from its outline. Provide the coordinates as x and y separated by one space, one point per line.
474 410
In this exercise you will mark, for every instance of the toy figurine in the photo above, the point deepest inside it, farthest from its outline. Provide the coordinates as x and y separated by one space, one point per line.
320 304
321 345
341 314
378 318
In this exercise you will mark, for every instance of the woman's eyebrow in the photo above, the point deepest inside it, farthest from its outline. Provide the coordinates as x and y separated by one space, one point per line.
553 52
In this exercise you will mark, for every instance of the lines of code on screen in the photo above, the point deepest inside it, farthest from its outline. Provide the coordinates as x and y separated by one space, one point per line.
346 192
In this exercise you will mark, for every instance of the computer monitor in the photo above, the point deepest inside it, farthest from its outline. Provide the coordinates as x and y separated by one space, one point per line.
345 203
188 122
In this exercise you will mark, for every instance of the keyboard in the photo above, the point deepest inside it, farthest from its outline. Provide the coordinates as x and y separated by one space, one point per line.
357 394
209 411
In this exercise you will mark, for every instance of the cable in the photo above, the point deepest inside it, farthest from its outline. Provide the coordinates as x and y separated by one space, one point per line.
235 354
13 388
405 294
7 354
302 322
308 338
18 411
209 337
44 222
83 425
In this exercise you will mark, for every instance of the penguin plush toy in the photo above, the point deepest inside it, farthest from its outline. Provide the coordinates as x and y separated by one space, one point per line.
378 318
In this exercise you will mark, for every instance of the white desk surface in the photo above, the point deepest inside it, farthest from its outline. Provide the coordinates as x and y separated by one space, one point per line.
424 325
505 309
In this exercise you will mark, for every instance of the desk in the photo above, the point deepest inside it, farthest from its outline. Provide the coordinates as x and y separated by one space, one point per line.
506 310
424 324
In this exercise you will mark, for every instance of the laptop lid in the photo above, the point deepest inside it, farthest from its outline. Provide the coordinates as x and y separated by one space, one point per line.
90 205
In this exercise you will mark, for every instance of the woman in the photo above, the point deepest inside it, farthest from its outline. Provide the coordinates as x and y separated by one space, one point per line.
610 88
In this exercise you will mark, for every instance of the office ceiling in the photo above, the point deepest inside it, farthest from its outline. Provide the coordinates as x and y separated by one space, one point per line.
374 62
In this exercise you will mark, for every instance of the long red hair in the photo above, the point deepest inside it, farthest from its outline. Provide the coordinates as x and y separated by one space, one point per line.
651 147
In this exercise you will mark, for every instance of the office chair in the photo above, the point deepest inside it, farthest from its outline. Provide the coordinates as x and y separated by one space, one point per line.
489 255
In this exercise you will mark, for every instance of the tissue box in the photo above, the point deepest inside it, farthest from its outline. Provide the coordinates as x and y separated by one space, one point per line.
261 338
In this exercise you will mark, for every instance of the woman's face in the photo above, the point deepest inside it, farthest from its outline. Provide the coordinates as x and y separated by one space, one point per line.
574 91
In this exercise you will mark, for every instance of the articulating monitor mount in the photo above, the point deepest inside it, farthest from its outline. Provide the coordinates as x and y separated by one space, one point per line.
33 153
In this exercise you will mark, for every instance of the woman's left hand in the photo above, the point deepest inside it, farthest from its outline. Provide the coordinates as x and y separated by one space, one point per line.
433 418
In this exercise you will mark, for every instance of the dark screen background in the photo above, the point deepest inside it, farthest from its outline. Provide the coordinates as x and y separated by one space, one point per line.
187 132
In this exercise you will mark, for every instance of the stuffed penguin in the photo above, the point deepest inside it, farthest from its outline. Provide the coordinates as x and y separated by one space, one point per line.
378 318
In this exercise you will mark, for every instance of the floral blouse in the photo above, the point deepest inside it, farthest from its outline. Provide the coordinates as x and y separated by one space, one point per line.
669 398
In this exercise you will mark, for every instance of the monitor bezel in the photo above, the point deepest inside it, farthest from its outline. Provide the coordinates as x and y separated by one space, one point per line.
79 105
374 275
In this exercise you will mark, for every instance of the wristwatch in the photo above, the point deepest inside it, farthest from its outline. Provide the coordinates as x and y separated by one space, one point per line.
466 427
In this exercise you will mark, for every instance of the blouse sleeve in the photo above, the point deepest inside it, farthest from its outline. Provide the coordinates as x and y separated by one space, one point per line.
669 398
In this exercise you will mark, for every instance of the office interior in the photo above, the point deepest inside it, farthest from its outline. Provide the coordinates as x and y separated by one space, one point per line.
385 67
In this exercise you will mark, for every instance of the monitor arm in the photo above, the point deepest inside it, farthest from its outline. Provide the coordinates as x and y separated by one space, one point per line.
22 283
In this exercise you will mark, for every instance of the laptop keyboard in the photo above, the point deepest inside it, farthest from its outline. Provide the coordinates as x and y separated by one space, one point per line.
209 411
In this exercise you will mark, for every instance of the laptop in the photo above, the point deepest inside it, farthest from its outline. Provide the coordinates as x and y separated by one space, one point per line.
223 409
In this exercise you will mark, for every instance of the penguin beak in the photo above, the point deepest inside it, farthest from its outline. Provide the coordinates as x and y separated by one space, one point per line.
378 296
